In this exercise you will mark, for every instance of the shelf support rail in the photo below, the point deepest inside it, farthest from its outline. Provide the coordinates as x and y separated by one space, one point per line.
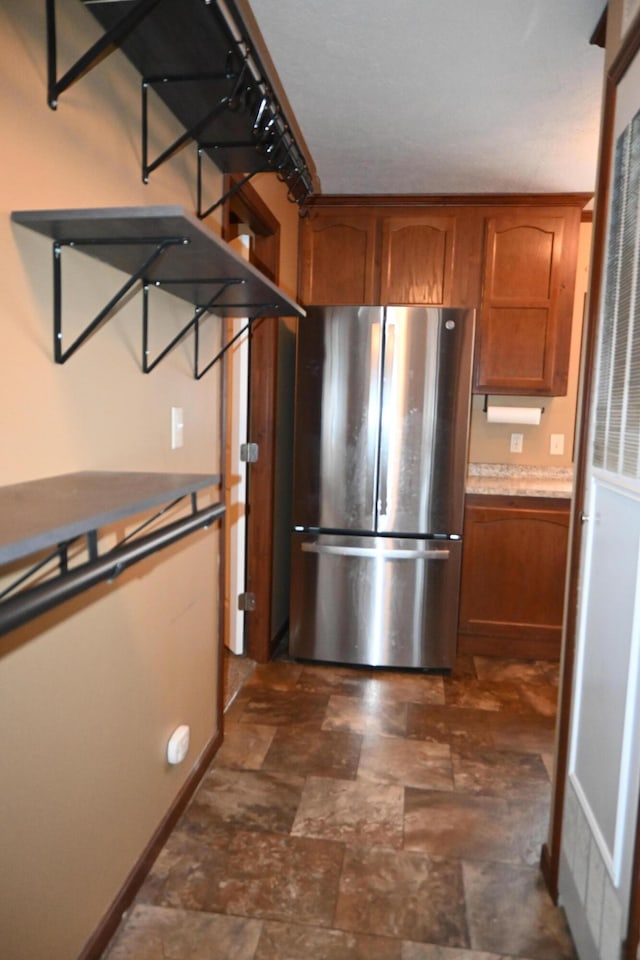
61 355
147 366
110 39
32 602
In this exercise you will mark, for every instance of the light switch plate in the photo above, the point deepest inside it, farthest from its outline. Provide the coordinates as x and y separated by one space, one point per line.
177 427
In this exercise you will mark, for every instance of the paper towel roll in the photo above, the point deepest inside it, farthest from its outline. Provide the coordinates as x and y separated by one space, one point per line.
514 414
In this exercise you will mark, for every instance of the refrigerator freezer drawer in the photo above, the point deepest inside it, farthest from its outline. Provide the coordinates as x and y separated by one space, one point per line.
372 600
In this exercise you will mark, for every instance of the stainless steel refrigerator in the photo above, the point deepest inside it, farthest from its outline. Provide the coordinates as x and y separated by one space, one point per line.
380 450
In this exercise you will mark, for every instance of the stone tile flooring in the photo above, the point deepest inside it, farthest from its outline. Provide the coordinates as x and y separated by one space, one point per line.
353 813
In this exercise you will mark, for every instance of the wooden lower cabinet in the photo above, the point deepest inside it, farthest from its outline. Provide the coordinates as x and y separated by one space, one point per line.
513 576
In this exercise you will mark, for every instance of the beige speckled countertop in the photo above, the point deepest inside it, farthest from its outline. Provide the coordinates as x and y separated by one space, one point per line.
511 480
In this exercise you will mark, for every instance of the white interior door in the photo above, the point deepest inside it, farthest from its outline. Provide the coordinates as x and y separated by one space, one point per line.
604 761
236 493
236 475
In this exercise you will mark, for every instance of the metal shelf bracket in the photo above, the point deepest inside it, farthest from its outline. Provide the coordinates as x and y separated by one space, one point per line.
107 42
261 310
200 311
192 133
203 214
197 373
61 355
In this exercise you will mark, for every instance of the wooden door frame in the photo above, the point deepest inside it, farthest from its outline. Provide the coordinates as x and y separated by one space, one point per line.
246 206
550 861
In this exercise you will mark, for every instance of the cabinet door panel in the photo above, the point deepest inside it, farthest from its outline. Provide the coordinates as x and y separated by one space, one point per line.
523 260
524 326
417 259
338 259
513 576
515 340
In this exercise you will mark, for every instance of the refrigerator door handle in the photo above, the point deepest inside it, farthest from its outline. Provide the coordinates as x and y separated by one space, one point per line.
376 553
385 416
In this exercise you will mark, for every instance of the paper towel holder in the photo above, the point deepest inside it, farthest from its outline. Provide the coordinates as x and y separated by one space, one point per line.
485 406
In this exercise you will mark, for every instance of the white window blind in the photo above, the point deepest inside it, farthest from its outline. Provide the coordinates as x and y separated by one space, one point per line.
616 445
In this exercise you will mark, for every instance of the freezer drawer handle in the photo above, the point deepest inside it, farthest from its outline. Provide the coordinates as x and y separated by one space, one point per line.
375 553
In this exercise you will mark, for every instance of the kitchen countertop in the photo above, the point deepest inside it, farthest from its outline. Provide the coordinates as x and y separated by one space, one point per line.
512 480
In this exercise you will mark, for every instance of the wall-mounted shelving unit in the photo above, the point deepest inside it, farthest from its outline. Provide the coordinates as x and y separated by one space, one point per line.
194 55
165 247
197 57
57 514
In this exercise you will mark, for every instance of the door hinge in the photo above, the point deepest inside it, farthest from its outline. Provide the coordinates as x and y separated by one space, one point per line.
249 452
247 601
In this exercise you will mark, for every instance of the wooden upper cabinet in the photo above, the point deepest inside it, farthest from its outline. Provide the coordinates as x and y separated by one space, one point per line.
524 326
514 262
417 259
337 258
381 255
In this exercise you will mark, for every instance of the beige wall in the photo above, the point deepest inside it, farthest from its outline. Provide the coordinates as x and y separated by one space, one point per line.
90 692
490 441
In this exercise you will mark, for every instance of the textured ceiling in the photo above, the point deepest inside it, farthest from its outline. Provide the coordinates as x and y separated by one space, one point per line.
441 96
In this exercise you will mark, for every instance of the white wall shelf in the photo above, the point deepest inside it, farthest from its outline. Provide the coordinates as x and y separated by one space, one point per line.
56 514
160 246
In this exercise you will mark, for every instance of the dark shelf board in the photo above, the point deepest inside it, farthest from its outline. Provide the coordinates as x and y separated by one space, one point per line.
197 264
189 38
41 514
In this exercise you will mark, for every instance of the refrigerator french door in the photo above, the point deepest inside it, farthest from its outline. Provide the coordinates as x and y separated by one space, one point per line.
381 430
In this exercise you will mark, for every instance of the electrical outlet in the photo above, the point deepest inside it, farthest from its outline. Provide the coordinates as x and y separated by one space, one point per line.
177 427
515 445
556 444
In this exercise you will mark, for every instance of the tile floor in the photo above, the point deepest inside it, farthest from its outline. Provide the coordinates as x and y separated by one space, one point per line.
353 813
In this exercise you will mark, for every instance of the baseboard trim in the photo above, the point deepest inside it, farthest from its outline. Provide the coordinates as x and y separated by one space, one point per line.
99 940
479 645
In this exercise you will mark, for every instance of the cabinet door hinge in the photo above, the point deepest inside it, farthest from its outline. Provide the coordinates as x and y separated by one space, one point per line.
249 452
247 601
